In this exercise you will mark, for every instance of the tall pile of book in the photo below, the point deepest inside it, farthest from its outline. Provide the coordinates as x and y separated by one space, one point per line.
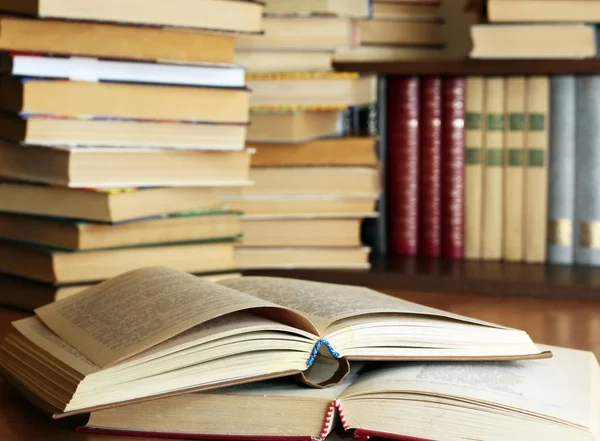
160 353
541 29
315 177
118 125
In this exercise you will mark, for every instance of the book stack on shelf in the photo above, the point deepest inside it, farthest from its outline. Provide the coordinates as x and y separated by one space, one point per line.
265 358
315 170
398 30
111 159
545 29
310 36
530 166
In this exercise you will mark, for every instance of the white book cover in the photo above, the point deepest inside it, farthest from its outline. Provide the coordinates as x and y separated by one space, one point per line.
94 70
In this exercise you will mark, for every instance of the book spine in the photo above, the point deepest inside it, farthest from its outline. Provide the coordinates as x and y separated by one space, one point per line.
493 170
403 164
561 199
474 139
587 172
430 167
453 166
536 170
374 230
514 169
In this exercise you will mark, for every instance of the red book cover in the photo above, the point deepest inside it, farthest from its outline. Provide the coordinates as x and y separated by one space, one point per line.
453 167
198 436
371 435
403 164
430 167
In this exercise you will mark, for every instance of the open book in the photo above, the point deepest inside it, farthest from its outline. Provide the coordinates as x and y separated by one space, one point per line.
554 399
158 331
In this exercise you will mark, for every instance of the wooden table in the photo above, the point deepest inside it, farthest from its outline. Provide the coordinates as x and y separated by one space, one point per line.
573 324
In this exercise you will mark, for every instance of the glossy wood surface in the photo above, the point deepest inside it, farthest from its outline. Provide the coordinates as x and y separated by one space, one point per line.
464 277
473 67
570 323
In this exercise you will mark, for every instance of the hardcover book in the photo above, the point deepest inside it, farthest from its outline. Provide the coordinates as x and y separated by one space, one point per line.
488 401
157 331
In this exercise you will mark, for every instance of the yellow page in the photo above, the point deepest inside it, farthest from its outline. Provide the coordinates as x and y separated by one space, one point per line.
326 303
39 334
561 387
137 310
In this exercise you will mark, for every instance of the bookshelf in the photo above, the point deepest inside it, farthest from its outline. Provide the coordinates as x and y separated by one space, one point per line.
474 67
463 277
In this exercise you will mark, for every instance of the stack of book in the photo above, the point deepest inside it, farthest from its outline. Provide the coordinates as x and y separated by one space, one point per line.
538 29
315 176
114 146
312 187
398 30
157 352
309 35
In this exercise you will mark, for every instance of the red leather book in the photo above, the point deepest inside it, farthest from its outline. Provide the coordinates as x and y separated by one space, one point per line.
430 167
403 165
453 167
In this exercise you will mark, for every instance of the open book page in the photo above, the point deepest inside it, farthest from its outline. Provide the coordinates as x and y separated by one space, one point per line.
218 329
39 334
327 303
137 310
559 387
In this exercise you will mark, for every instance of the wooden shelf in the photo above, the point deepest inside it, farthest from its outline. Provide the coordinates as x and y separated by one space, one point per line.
464 277
474 67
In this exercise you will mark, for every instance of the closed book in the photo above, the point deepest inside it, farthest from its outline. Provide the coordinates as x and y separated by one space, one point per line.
301 232
474 142
107 132
536 170
394 401
104 167
122 100
493 179
430 167
403 165
351 151
94 69
320 91
577 11
286 258
346 8
534 41
293 126
105 40
561 173
514 170
453 167
74 267
64 234
587 172
234 16
107 205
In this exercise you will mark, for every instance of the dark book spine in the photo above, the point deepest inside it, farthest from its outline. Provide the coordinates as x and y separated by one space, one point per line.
403 164
453 166
430 167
